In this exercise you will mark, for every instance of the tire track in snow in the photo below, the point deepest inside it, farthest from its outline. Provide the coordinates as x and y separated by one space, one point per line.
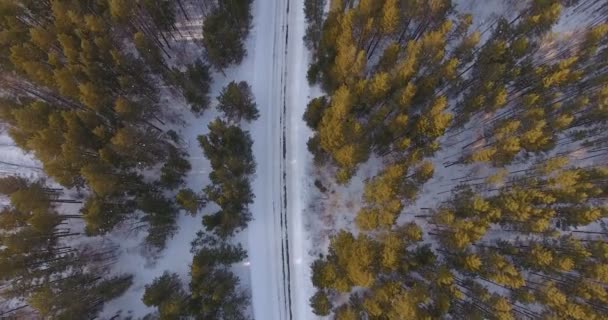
270 263
286 264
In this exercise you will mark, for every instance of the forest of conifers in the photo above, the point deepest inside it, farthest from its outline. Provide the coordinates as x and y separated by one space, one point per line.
81 85
488 147
406 80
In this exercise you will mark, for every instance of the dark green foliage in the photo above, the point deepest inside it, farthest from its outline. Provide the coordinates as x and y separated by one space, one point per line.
77 296
320 304
224 45
87 107
216 293
174 171
40 268
224 33
102 214
236 102
114 287
313 147
162 13
196 85
189 200
166 293
104 180
150 52
313 74
228 148
314 111
216 250
84 105
160 216
313 10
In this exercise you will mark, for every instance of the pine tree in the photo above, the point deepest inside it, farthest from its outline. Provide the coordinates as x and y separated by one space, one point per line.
160 217
314 111
228 148
196 83
215 289
341 135
175 169
166 293
313 11
224 32
85 106
103 214
189 201
397 77
40 268
320 304
236 102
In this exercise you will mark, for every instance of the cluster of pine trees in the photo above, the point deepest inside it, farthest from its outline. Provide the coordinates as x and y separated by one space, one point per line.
313 11
526 242
87 106
89 109
215 291
228 149
225 29
39 269
82 84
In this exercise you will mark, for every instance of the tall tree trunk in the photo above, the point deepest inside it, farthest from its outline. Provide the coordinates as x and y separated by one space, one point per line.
181 7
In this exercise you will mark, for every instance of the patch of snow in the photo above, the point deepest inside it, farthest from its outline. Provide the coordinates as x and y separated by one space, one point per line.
267 270
299 181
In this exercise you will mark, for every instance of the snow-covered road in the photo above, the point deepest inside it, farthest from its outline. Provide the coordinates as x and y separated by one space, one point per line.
277 246
266 242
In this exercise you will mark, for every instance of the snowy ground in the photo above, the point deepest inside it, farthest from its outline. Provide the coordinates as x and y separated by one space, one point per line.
13 161
299 177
